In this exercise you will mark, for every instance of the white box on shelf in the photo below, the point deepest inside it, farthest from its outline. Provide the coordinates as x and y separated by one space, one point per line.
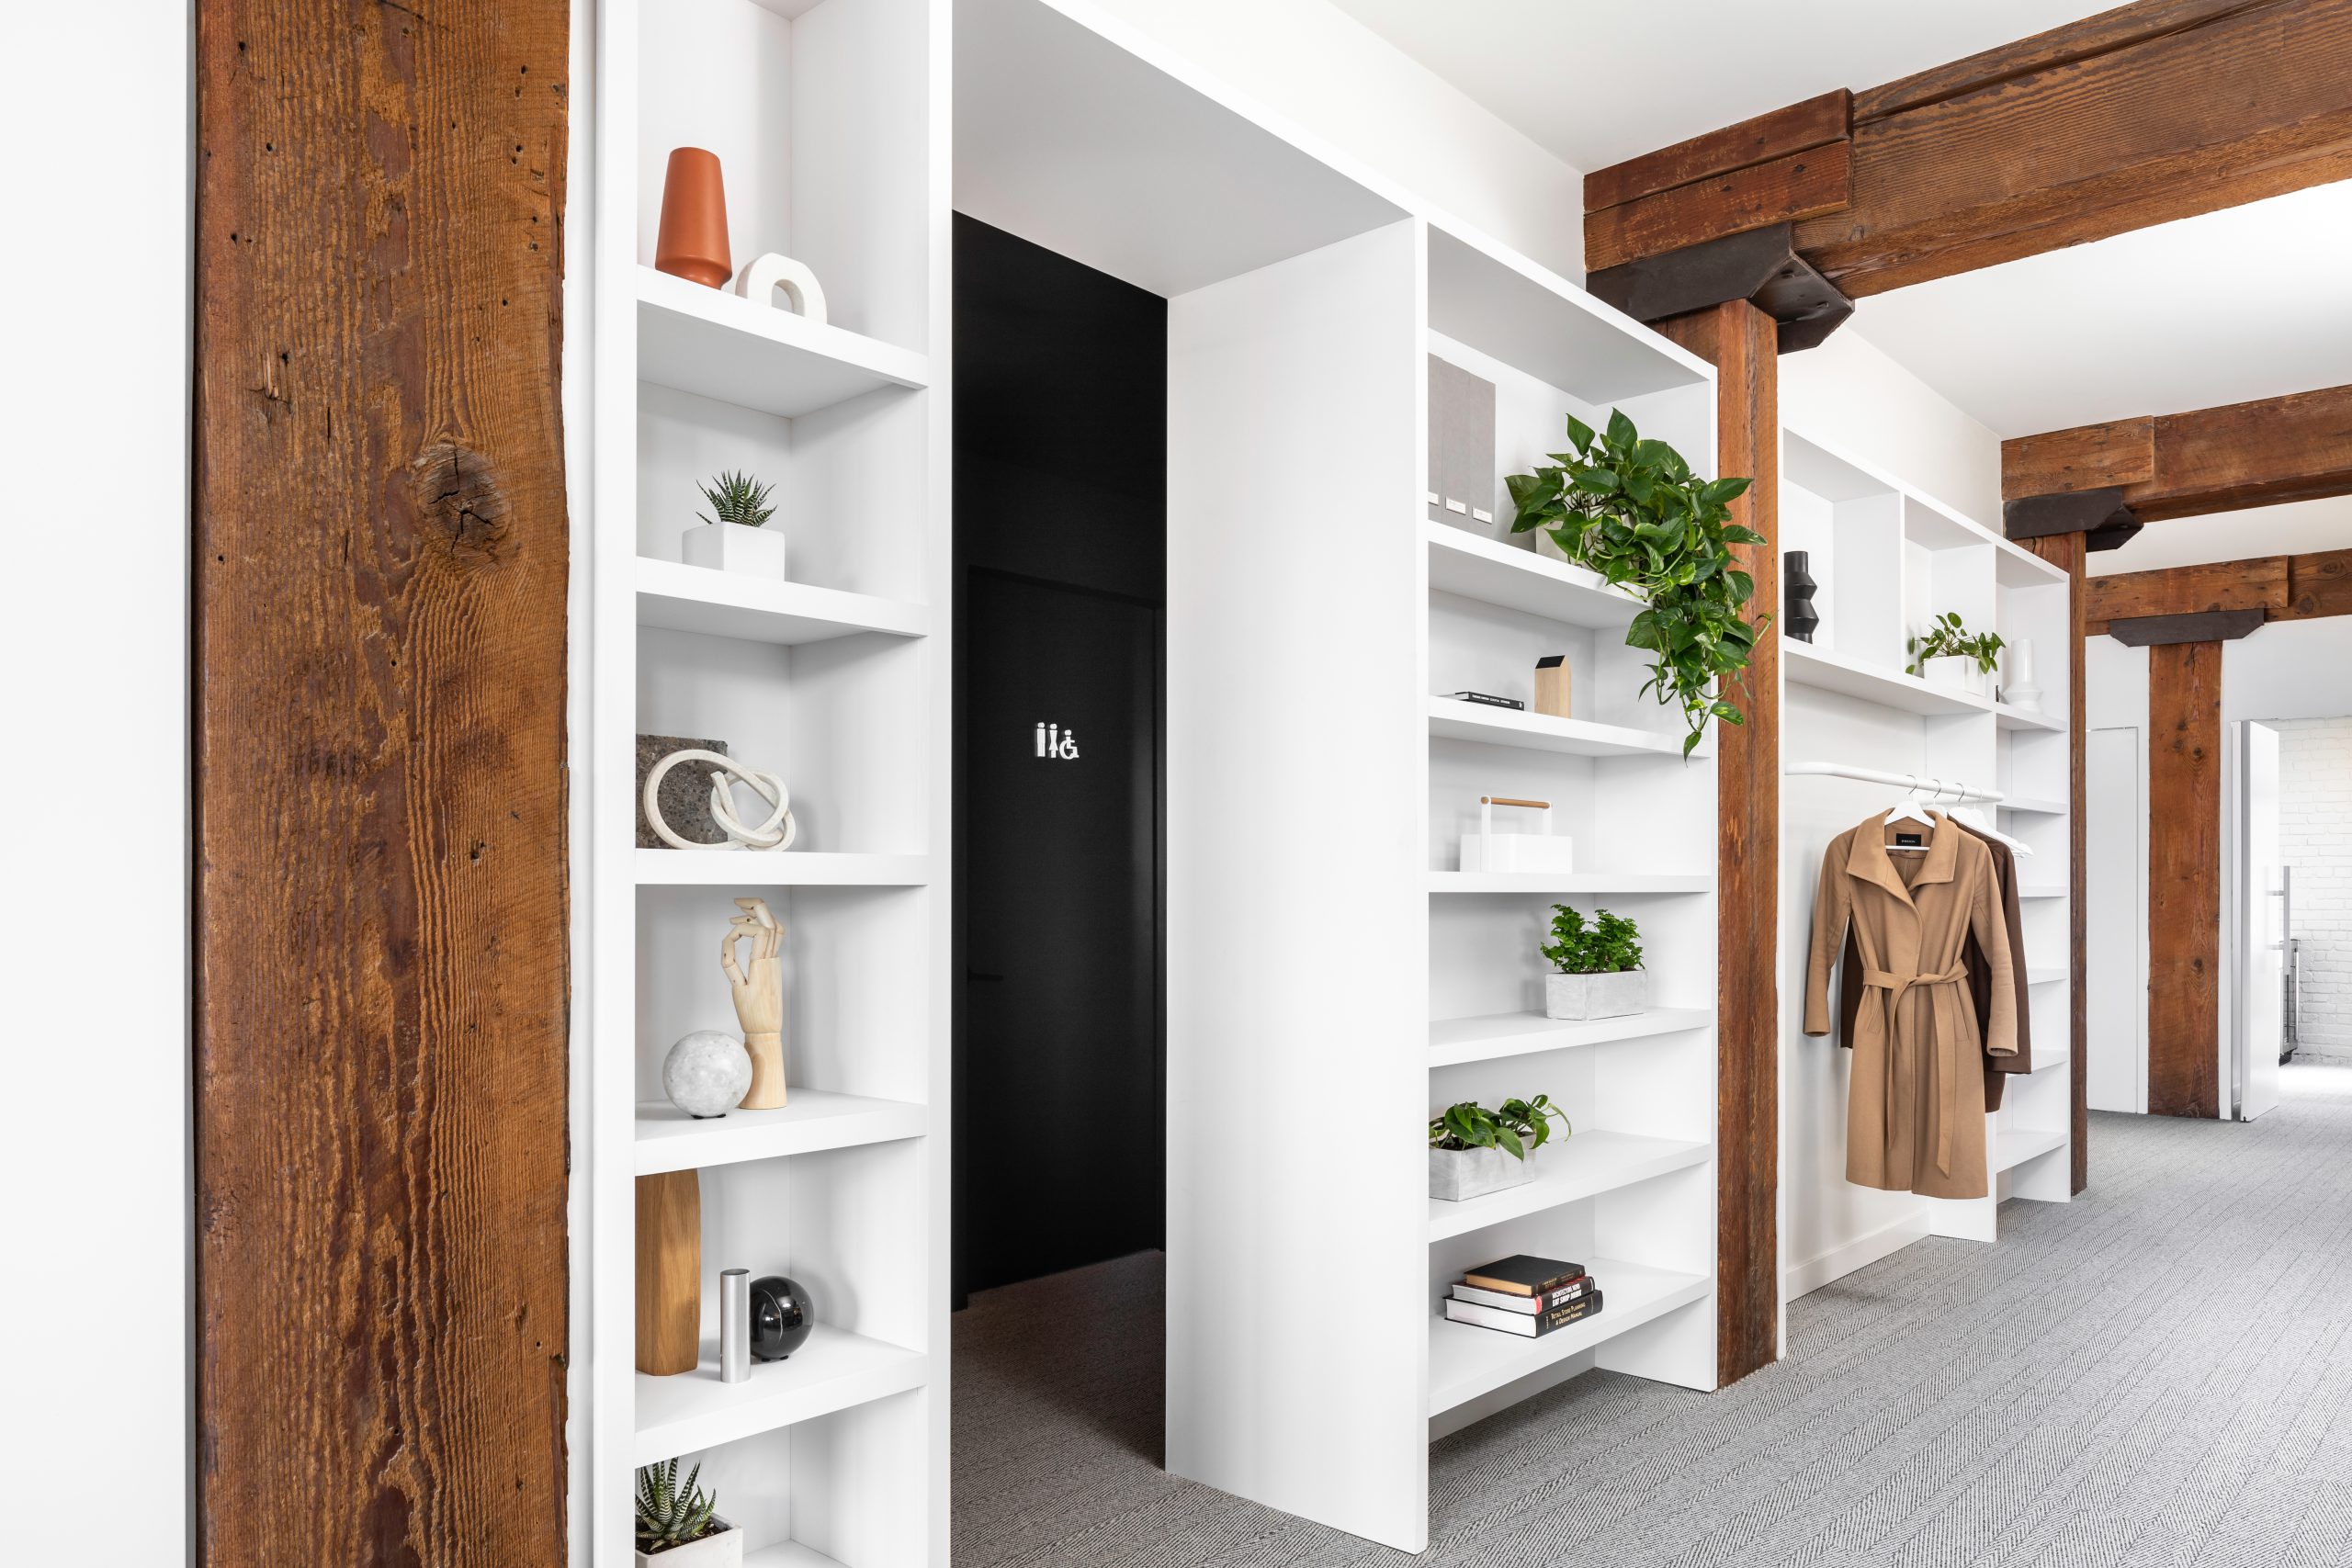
1956 672
731 547
1486 850
1459 1174
723 1548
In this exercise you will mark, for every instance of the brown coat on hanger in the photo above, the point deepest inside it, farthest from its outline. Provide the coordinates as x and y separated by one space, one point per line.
1914 1109
1980 977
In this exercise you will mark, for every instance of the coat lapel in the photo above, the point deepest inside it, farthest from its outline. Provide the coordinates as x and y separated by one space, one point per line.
1867 860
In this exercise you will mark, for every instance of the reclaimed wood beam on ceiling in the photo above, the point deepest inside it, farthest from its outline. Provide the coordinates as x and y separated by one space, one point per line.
2296 448
2142 115
2274 588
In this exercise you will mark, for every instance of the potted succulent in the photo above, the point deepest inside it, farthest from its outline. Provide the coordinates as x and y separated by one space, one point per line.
1473 1151
1599 963
1947 654
736 539
675 1525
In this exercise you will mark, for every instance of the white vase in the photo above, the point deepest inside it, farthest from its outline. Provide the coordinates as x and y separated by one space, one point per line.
1458 1174
1956 671
1595 996
2021 691
731 547
721 1549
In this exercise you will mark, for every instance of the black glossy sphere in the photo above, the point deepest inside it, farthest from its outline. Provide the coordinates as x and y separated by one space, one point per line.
781 1317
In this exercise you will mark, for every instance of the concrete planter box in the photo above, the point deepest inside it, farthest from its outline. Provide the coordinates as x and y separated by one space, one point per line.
1596 996
1458 1174
723 1548
1956 672
731 547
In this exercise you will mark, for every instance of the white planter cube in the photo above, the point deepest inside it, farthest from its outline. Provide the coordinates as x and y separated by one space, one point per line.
723 1548
1458 1174
731 547
1957 672
1596 996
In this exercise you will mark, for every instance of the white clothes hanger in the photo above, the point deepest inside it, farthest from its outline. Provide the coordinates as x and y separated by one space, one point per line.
1909 809
1970 817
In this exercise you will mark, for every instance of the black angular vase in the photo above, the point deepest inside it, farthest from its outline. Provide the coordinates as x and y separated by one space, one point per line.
781 1317
1798 615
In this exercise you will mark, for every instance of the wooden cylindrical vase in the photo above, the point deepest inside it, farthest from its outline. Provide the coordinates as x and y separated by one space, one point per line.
669 1272
692 239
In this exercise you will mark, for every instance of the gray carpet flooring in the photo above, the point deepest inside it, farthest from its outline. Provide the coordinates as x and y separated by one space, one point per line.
2158 1372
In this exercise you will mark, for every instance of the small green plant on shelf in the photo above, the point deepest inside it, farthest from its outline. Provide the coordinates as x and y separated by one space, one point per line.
1607 944
1947 637
1516 1127
739 499
1631 509
669 1515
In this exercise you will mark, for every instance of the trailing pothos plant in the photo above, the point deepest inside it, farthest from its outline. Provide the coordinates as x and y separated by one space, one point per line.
1516 1127
1632 511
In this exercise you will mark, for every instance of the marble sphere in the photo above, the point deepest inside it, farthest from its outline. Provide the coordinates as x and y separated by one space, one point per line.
706 1074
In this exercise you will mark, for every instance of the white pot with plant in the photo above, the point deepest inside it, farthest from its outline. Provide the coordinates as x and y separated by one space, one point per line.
676 1526
738 538
1949 654
1598 965
1475 1151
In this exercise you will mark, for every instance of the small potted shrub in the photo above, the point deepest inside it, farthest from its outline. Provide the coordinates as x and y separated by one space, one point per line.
738 537
675 1525
1947 654
1599 963
1473 1151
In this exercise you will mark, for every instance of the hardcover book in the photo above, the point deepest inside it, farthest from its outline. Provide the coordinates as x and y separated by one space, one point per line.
1492 702
1522 1275
1527 1325
1581 1285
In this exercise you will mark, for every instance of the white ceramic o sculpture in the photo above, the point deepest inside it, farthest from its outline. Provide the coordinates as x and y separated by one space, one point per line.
764 274
777 832
707 1073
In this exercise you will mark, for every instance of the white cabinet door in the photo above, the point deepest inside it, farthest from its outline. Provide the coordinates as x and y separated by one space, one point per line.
2261 925
2115 990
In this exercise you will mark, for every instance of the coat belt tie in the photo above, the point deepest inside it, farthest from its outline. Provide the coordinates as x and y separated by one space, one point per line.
1948 1044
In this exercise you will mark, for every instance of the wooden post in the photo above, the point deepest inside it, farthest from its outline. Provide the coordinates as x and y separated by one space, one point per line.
2070 551
382 919
1740 341
2185 878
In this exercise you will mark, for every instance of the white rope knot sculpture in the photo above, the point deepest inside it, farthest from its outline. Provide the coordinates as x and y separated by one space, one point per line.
775 833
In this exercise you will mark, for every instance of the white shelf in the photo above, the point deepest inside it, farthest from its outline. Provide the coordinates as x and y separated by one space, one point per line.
2012 1148
1463 563
777 868
2041 1065
1467 1361
1808 666
2044 975
2034 805
1453 719
668 1139
832 1371
1455 1040
2017 567
710 342
2008 717
1585 1166
1566 882
788 1554
728 603
2042 893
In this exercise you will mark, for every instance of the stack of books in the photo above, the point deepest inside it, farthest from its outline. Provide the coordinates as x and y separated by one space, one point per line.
1524 1295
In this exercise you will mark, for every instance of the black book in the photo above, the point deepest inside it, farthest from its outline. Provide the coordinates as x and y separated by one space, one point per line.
1522 1275
1490 702
1526 1325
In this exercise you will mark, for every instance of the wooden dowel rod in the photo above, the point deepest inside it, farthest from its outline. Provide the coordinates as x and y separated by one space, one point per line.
1506 800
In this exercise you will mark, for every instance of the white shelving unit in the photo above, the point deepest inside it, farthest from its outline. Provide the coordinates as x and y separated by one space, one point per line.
830 121
1887 557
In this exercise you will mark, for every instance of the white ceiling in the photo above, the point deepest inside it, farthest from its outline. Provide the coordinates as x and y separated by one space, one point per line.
1598 84
2299 527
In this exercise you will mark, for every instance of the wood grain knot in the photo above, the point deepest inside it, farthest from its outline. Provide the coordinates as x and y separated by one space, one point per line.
460 504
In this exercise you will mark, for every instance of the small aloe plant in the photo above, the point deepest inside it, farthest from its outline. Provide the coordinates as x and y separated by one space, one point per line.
667 1514
739 499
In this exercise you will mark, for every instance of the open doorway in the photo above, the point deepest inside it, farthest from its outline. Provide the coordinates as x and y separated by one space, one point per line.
2314 903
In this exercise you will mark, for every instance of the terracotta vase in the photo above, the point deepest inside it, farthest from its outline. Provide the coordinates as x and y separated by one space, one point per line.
693 242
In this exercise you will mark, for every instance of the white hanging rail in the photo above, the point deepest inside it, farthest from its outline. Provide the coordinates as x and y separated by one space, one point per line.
1934 789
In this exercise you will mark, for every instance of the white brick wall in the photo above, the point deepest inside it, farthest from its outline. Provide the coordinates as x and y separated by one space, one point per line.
2315 837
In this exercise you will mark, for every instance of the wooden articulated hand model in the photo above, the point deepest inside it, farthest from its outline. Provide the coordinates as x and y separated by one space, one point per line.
759 998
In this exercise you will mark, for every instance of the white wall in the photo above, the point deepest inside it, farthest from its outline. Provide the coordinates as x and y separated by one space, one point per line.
1849 394
2315 840
93 411
1368 101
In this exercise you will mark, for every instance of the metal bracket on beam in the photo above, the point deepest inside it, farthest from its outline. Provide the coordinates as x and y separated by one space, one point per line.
2097 515
2204 626
1760 265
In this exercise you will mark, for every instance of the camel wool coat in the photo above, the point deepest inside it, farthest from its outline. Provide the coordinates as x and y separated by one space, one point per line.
1914 1108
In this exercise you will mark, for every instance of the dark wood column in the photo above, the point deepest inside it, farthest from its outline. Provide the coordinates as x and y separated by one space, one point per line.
382 926
2070 551
1741 342
2185 878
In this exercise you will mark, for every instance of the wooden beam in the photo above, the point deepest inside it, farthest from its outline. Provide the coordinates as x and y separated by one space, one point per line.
2283 588
2318 585
2068 551
2185 878
381 921
2295 447
2148 113
2207 626
1740 341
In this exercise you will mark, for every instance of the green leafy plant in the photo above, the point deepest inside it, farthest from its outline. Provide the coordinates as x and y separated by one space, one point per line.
667 1514
1605 945
1632 511
1946 637
739 499
1519 1125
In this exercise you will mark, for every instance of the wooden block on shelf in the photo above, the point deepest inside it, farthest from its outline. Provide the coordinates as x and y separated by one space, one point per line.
669 1272
1551 685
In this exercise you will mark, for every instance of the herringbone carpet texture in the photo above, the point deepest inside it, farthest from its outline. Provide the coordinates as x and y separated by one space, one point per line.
2158 1372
